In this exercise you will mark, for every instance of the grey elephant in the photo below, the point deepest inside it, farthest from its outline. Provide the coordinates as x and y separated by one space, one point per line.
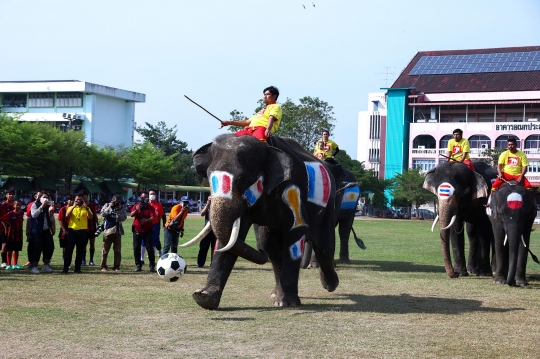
280 188
512 215
462 195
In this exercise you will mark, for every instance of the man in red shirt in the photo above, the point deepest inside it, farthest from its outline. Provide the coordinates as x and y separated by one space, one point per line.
160 214
64 222
5 207
144 215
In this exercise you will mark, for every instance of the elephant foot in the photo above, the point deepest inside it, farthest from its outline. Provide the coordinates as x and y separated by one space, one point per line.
344 261
484 273
499 280
472 270
276 293
521 282
313 265
207 300
288 300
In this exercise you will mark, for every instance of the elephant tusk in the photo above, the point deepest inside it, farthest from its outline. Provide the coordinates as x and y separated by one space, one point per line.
234 236
451 222
505 239
523 241
435 222
199 236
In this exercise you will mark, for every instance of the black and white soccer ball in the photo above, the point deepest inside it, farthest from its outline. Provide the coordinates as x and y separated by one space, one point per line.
171 267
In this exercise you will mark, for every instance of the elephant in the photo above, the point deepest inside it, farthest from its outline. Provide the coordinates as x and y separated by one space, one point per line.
279 187
462 194
512 215
346 200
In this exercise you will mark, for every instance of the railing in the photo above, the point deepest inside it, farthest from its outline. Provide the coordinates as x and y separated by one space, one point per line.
423 151
532 151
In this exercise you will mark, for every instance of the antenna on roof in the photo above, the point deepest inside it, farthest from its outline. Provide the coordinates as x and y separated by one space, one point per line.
386 73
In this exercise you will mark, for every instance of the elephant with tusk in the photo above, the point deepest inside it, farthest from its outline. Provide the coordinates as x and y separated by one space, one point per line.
279 187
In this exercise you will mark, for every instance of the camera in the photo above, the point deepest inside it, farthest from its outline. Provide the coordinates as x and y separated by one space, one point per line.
99 229
144 201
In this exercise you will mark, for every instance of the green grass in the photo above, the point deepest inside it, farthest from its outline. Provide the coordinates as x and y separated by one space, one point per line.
394 301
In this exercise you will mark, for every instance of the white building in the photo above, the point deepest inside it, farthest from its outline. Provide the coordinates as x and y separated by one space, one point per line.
369 131
106 114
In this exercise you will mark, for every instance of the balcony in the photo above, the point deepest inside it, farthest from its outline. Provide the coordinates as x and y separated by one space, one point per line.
532 151
424 151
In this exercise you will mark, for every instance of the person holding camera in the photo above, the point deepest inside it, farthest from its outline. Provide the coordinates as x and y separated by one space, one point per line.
144 215
78 216
114 213
42 228
207 242
174 227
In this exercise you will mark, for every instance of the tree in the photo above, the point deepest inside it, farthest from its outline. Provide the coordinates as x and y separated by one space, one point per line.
379 200
491 155
407 186
163 138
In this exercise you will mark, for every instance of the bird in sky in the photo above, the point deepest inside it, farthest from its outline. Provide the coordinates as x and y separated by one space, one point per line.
313 4
304 6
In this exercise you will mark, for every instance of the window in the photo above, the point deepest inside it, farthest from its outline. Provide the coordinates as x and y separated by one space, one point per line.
69 99
501 142
534 167
14 100
480 141
532 141
424 165
443 143
41 100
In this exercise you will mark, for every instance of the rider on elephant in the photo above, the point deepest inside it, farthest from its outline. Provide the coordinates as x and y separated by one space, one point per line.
265 122
512 165
327 152
459 149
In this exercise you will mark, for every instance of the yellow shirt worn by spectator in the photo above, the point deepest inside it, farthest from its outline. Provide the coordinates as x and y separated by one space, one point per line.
513 163
457 149
329 148
78 220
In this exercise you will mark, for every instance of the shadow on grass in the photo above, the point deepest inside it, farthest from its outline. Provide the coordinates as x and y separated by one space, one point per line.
389 266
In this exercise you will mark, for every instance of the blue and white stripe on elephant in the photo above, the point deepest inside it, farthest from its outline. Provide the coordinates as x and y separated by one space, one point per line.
253 193
297 249
318 183
221 184
350 197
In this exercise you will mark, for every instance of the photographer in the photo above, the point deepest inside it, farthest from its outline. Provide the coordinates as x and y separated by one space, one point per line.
78 217
114 214
144 215
174 227
42 228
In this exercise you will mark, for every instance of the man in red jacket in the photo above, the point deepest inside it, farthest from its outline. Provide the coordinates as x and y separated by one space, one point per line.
144 215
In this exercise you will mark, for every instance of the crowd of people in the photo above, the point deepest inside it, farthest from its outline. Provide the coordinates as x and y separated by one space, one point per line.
79 226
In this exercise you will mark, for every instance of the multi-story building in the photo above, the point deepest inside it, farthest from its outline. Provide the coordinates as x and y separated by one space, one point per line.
106 114
370 125
491 94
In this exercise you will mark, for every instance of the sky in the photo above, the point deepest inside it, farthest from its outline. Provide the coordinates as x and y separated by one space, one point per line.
222 54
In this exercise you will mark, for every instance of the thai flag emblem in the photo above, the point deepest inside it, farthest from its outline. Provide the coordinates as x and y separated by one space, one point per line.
297 249
318 183
221 184
253 193
446 190
350 197
514 200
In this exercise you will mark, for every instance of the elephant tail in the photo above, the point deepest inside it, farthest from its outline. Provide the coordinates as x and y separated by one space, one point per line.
534 258
359 242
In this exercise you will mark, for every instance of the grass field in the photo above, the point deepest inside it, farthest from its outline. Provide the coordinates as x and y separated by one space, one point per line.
394 301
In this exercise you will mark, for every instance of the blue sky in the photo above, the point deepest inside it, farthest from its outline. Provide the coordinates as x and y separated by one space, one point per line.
223 53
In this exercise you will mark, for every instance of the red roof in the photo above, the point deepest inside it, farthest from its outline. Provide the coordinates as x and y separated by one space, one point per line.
479 82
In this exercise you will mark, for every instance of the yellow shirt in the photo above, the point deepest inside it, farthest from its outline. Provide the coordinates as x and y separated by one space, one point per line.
513 163
320 154
78 219
329 148
457 149
261 117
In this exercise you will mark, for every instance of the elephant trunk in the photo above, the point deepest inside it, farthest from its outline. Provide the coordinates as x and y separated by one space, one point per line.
447 217
514 241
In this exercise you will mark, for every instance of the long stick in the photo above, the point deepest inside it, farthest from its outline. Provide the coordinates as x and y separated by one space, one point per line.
208 112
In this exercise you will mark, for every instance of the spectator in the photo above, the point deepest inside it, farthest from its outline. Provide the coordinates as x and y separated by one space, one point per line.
6 207
174 228
207 242
64 223
13 224
79 216
144 215
160 215
30 247
91 229
114 213
42 229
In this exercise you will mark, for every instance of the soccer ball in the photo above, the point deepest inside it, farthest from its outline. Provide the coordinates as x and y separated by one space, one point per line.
171 267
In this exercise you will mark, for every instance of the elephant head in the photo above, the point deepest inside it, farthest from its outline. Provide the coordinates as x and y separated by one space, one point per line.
512 216
456 188
242 171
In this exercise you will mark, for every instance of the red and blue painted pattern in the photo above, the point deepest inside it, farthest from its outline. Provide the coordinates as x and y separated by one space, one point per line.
514 200
297 249
221 184
318 183
445 191
254 192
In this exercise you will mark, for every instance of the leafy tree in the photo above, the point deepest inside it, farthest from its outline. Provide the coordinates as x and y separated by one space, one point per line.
103 163
407 186
491 155
163 138
379 200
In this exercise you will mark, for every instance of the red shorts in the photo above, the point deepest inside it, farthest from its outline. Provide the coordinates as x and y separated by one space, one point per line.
469 164
257 132
498 182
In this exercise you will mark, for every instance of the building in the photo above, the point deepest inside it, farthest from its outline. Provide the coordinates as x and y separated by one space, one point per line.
106 114
369 142
490 94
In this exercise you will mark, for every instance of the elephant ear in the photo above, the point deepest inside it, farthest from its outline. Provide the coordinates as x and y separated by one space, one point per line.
277 170
201 159
429 182
481 188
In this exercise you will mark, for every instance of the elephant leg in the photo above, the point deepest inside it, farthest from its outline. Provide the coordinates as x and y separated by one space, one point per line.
271 242
501 255
324 247
457 237
480 242
288 282
521 266
472 233
345 226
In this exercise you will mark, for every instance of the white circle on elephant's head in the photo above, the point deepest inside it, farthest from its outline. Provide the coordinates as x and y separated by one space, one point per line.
445 191
514 200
